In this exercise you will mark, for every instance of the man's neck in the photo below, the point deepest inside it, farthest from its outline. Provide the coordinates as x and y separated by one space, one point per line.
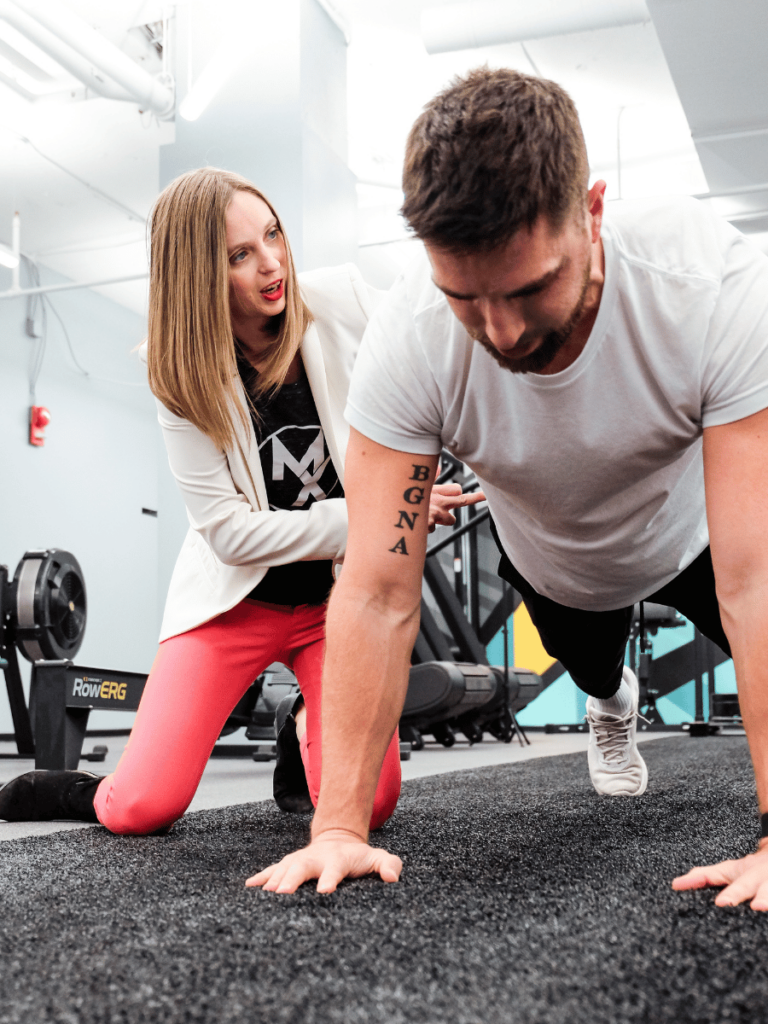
579 336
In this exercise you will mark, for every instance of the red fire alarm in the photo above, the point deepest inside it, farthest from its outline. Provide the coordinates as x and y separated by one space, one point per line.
39 418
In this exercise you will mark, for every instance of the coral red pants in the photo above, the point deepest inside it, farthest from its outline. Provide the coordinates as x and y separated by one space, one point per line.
195 682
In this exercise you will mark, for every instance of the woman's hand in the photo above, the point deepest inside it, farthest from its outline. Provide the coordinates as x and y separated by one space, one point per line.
744 879
445 498
331 857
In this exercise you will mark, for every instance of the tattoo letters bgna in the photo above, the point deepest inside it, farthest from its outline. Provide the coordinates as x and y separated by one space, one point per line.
412 496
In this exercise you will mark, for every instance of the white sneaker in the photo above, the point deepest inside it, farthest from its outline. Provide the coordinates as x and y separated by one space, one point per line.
615 765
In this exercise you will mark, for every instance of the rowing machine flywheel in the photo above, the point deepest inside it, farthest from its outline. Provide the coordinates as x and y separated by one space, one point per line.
50 605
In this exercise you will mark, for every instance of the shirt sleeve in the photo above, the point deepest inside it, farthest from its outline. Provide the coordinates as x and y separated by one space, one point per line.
393 398
735 370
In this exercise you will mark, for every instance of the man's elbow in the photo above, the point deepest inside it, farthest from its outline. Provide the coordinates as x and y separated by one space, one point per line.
741 587
396 601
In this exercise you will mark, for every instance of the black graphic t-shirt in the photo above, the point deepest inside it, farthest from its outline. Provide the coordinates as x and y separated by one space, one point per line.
298 471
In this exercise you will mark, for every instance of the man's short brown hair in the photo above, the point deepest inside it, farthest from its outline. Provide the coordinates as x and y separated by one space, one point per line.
488 156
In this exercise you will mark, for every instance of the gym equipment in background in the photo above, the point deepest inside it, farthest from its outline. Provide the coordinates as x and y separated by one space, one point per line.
452 688
724 715
656 677
43 613
446 697
256 711
648 618
660 676
61 698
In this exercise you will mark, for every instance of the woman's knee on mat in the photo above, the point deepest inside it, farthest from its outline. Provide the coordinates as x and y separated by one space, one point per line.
384 804
388 789
138 814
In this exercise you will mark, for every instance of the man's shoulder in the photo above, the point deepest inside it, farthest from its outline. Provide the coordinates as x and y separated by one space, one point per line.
675 235
414 304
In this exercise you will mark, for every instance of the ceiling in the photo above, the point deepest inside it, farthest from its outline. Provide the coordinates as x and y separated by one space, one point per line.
83 173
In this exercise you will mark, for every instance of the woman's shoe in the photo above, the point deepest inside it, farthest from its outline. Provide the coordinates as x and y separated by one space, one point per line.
50 796
289 783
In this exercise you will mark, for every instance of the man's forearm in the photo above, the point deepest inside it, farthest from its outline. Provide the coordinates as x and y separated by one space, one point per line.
365 678
745 620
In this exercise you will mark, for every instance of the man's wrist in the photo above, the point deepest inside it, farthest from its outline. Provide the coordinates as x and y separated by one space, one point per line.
335 833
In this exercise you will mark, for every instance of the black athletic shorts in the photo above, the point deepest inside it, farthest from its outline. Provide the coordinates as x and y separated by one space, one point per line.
591 645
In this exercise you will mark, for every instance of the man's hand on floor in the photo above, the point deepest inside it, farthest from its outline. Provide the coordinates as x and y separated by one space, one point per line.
744 879
331 857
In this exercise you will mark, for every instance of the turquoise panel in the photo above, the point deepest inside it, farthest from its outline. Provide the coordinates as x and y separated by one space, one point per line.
563 702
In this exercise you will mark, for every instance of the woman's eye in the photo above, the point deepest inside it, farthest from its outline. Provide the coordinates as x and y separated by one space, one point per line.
273 233
238 258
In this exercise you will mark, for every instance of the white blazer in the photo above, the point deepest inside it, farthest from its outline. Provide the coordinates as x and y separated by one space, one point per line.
234 536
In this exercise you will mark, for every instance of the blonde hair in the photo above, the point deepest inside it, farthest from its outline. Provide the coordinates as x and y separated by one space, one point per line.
191 348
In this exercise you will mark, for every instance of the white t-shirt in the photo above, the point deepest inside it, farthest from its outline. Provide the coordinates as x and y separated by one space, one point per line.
594 475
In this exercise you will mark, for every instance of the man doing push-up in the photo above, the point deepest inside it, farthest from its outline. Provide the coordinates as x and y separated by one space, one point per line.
604 372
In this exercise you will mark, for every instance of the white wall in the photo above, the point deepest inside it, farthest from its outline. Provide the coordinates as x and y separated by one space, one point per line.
281 121
84 491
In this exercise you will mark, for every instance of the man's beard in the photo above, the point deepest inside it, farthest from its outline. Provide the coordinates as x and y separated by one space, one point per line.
551 342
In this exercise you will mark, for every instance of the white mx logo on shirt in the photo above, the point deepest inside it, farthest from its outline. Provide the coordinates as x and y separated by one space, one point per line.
308 470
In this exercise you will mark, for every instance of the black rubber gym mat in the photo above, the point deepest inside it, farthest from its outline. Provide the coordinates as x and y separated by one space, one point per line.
525 898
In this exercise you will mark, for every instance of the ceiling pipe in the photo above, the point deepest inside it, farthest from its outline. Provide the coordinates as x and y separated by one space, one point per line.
475 23
739 190
84 52
61 53
14 293
16 249
16 290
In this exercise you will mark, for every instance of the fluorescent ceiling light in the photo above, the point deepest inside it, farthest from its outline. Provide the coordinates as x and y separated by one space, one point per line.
30 85
27 49
7 258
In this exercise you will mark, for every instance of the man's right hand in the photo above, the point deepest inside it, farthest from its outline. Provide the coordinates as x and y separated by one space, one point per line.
371 626
331 857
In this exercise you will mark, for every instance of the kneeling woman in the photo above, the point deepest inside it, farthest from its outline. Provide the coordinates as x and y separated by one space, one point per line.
250 368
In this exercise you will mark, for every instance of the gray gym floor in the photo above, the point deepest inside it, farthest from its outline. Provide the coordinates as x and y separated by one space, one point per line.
228 781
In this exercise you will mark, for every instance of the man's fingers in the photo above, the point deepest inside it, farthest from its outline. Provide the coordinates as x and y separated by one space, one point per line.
749 883
459 500
744 879
760 901
276 878
261 877
473 498
295 876
329 879
711 876
271 878
329 861
389 867
745 887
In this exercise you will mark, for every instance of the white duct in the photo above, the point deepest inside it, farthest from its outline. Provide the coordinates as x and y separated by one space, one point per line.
60 52
476 23
86 54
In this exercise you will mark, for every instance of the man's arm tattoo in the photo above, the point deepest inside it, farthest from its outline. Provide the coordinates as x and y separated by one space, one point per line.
412 496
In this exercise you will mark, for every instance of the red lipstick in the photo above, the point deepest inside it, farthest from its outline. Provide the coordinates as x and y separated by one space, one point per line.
276 293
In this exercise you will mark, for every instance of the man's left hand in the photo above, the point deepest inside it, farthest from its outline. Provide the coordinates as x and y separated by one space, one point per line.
445 498
744 879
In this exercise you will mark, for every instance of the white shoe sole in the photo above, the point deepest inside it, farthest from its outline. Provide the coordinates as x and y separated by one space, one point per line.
609 781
